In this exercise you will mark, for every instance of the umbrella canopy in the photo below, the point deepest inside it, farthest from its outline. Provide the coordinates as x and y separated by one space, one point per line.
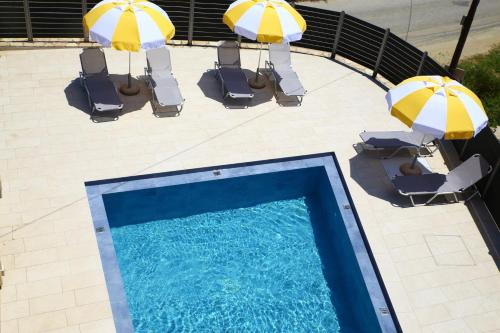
128 25
267 21
438 106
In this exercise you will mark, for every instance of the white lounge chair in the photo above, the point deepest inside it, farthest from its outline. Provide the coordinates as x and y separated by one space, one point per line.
285 78
164 86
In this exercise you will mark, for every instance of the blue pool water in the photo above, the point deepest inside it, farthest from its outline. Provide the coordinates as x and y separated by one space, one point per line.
257 248
253 269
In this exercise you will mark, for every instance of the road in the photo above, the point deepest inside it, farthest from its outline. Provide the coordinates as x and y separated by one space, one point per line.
434 26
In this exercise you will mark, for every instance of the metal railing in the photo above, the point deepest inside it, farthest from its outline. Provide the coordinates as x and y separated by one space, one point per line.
335 32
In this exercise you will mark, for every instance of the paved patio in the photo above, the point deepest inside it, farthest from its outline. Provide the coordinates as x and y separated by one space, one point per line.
433 260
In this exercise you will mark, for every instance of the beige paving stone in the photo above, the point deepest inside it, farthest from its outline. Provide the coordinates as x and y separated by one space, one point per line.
51 303
69 329
451 326
488 285
8 294
42 322
485 322
45 271
82 280
14 276
69 252
98 326
427 297
39 288
88 313
35 257
433 314
460 291
9 326
11 246
44 241
14 310
91 295
471 306
89 263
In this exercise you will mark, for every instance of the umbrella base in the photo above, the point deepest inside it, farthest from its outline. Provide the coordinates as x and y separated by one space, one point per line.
256 83
129 91
407 170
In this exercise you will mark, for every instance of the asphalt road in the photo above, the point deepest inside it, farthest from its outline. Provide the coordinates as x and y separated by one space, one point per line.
434 25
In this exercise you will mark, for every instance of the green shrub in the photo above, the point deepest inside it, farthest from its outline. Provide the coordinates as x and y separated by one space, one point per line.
482 75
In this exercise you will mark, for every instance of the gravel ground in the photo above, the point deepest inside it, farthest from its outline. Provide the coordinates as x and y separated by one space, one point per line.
434 26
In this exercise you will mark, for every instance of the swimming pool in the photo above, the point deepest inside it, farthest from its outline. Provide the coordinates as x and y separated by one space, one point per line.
255 247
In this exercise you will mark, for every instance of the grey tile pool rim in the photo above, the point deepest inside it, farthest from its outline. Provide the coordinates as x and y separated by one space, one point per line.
96 189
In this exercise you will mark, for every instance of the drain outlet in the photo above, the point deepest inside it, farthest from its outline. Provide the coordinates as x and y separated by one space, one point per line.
99 229
217 173
384 311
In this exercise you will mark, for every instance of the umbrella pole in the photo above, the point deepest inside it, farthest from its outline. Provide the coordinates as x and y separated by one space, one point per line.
416 155
128 89
129 71
412 168
258 64
256 82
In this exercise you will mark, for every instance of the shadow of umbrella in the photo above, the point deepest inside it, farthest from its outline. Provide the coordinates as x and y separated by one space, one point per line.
77 97
369 173
211 87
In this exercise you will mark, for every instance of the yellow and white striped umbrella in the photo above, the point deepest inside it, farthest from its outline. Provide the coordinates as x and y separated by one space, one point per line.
438 106
128 25
267 21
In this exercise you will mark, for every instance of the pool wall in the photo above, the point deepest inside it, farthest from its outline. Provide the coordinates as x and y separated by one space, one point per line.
151 197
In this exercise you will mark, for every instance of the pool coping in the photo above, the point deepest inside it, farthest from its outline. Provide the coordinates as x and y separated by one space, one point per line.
95 189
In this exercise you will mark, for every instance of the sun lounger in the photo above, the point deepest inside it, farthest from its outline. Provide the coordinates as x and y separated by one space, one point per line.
94 77
284 77
456 181
234 83
164 86
396 141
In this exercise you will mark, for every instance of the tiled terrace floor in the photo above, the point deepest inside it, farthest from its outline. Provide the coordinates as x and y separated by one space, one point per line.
433 260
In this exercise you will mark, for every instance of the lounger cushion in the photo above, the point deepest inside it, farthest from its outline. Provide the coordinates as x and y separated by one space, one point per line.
159 59
103 93
289 82
393 139
423 184
236 82
166 89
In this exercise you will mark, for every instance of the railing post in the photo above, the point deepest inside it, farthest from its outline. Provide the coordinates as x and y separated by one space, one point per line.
27 19
191 22
463 150
491 177
337 34
422 62
381 52
84 11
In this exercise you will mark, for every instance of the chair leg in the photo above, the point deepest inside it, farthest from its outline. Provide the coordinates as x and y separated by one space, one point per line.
393 154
